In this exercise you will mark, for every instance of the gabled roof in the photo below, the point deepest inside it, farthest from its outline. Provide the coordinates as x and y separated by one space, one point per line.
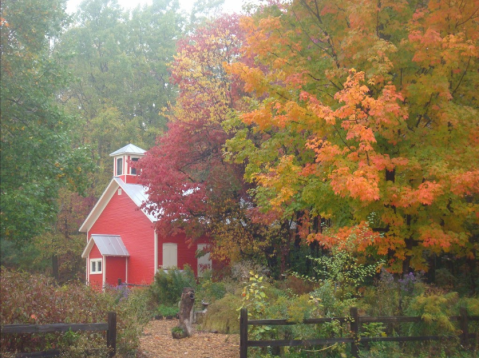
136 192
108 245
129 149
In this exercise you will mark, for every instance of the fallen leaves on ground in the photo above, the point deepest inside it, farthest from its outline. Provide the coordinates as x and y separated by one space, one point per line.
157 342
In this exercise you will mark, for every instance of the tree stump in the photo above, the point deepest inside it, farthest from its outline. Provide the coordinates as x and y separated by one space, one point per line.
186 312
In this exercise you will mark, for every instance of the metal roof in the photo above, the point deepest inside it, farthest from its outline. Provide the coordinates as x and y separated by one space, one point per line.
110 245
137 193
128 149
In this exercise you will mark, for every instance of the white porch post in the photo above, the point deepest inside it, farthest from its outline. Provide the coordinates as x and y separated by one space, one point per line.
104 271
87 269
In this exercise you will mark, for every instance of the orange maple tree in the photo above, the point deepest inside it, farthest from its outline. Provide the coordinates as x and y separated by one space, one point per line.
369 115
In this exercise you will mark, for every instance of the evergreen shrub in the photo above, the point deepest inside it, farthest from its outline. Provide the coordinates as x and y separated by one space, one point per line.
168 285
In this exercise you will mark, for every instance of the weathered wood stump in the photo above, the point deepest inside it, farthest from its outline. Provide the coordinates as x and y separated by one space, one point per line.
186 313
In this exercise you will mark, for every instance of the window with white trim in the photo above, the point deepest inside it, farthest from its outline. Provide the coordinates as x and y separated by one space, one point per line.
119 166
95 266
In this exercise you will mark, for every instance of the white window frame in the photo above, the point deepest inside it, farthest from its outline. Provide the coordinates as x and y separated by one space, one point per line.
119 168
96 265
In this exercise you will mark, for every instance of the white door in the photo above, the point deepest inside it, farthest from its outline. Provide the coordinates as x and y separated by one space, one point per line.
204 262
170 255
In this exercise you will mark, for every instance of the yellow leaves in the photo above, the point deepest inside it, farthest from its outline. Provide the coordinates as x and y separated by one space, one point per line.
282 179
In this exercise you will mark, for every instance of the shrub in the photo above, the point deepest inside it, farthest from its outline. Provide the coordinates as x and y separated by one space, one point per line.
222 315
166 311
297 285
168 285
35 299
211 291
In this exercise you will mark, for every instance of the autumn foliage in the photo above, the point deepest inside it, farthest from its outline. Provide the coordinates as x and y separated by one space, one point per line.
186 174
383 95
356 121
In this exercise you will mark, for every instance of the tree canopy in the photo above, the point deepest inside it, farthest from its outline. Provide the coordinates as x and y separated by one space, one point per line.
37 136
370 116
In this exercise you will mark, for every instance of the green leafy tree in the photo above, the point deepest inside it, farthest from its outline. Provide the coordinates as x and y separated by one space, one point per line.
119 60
37 157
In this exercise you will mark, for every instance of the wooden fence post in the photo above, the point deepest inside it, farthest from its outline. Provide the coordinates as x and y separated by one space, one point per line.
464 327
244 333
111 334
355 330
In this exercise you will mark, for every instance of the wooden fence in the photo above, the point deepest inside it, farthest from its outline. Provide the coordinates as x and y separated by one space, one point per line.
355 322
109 327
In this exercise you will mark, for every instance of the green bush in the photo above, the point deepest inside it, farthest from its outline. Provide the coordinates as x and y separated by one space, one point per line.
222 315
168 285
210 291
166 311
36 299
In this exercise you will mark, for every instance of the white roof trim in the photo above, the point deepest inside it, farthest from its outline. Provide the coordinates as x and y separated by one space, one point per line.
135 192
99 206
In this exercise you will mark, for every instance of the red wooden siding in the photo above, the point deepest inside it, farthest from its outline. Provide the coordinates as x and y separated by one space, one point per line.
96 280
122 217
186 254
115 269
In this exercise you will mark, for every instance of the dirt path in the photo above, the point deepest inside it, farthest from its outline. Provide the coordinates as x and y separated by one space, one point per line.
156 342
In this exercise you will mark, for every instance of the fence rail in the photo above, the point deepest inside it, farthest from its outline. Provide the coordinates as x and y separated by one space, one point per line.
109 327
355 322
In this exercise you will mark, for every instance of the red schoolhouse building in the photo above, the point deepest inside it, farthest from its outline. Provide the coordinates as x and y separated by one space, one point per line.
121 240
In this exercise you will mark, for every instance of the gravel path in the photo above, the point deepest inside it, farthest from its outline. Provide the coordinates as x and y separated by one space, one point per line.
157 342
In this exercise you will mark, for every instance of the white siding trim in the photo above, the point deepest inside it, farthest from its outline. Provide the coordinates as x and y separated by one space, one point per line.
104 271
87 271
99 206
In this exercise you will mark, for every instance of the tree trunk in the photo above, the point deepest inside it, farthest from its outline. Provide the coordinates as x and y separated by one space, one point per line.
186 311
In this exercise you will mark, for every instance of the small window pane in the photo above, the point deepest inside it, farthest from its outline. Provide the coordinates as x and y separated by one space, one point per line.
93 266
119 166
99 266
